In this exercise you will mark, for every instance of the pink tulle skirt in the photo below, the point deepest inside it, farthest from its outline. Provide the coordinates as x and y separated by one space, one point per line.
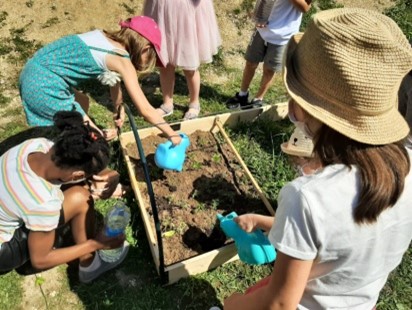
190 34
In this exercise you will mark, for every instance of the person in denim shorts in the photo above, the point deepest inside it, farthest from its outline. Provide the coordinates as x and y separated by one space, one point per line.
267 45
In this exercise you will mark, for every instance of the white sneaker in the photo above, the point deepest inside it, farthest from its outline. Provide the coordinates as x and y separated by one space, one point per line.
86 276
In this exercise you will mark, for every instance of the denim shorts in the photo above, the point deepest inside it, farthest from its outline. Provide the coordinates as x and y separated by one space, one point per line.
270 54
14 254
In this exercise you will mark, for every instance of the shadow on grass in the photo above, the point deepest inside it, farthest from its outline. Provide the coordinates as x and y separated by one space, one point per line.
34 132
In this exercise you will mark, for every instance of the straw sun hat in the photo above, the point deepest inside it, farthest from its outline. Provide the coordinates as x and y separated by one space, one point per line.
346 69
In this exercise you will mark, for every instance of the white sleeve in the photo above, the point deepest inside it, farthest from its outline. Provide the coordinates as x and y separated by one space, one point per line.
293 232
44 217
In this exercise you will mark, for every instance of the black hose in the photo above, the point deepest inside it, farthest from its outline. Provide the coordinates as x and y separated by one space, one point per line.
163 276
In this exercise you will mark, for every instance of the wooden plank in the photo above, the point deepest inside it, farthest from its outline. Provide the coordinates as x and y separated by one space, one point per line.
202 263
137 191
242 163
274 112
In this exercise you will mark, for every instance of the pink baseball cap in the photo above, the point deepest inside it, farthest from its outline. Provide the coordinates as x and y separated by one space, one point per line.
148 28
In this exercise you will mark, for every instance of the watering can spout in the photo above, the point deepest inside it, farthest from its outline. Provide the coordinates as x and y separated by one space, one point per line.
172 157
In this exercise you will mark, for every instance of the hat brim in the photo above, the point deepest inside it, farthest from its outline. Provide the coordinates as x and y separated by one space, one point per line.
159 61
375 129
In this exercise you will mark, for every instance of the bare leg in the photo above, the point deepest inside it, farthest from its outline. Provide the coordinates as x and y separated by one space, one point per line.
265 82
78 209
167 83
82 99
193 84
248 74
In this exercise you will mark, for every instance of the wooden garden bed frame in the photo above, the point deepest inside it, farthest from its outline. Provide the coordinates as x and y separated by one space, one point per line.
216 123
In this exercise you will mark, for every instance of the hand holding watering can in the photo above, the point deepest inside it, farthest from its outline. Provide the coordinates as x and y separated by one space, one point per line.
253 248
172 157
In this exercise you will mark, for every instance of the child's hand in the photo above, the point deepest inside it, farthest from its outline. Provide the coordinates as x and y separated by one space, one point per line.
107 243
109 134
104 184
119 116
176 139
247 222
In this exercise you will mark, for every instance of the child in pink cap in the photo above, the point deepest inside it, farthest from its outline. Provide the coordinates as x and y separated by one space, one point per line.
48 81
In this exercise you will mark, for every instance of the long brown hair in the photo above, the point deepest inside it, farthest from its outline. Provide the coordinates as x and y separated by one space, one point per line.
134 44
382 168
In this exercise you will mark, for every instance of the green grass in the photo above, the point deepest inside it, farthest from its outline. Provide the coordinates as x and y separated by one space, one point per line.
10 291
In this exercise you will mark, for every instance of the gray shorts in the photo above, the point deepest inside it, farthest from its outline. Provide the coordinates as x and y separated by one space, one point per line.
270 54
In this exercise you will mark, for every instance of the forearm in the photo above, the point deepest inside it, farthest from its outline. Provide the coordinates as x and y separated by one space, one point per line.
264 222
260 299
149 113
87 119
117 96
283 289
64 255
151 116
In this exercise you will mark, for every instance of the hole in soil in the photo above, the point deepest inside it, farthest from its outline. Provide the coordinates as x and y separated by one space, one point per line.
200 241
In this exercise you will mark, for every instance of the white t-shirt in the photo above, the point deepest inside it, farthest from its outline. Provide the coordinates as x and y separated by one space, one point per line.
351 262
284 22
25 198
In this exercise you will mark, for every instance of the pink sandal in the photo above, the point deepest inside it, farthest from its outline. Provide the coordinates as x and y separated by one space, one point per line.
165 110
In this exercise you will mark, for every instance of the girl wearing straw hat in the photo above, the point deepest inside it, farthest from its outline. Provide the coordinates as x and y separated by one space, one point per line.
341 231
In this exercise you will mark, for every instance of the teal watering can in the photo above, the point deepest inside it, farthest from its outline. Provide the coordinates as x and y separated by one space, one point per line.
172 157
253 248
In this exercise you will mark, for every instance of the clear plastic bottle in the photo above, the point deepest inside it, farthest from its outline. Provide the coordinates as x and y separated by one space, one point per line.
115 223
262 11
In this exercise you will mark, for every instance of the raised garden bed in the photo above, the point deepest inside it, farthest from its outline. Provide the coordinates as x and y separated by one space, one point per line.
214 180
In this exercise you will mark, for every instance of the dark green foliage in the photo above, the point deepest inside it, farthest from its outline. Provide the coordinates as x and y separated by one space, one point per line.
401 13
317 6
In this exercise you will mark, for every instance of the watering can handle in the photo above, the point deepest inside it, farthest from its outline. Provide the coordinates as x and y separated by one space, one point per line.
169 144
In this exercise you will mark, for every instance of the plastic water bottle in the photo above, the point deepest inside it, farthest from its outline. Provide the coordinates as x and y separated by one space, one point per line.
115 224
262 11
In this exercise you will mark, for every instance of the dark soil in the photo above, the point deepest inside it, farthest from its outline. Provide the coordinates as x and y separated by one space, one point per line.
212 181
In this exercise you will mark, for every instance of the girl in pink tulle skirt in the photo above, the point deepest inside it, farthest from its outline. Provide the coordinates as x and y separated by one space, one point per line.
190 37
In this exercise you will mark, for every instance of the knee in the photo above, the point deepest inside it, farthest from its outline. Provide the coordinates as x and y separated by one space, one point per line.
251 65
82 99
189 74
268 71
78 196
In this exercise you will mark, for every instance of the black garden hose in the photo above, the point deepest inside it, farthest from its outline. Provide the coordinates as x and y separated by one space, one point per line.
163 275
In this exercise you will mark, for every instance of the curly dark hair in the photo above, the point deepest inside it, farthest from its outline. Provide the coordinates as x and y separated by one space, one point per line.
79 145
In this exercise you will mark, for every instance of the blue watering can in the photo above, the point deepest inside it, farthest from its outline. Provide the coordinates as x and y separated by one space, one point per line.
253 248
170 157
